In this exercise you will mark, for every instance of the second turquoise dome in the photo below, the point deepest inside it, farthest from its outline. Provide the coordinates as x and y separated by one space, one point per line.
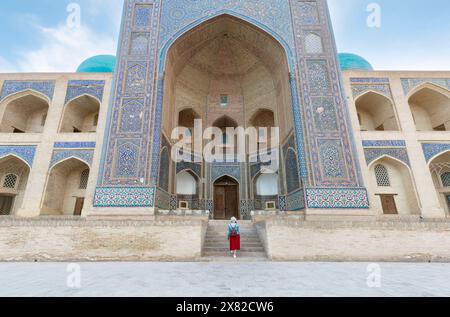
350 61
98 64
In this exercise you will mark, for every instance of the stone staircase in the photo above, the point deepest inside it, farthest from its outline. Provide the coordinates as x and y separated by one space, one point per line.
217 246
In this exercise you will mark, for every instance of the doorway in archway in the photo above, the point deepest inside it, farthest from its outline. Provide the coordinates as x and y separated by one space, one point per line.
226 198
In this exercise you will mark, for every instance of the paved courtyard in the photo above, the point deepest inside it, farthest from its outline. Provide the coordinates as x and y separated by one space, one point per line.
224 279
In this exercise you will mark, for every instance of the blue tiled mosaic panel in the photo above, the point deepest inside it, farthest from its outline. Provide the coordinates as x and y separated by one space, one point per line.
127 158
373 154
164 169
194 167
411 83
131 116
431 150
370 80
124 197
295 201
136 78
383 89
26 153
332 159
74 145
318 77
78 88
328 198
292 175
177 15
391 143
325 119
162 199
140 44
61 155
44 87
143 15
225 170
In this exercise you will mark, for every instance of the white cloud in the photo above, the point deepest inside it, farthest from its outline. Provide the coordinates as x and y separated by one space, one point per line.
6 66
63 49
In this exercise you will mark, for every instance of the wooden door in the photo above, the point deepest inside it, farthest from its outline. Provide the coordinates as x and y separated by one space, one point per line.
226 199
79 204
6 203
388 203
219 202
231 196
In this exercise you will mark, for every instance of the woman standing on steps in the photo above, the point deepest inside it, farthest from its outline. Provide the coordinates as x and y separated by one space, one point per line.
234 235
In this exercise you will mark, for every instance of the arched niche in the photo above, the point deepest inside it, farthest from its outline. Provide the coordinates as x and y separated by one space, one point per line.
80 115
24 113
65 189
376 113
13 181
430 107
394 186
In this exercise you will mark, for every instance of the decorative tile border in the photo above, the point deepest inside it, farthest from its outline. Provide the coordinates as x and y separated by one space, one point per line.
373 154
361 80
26 153
10 87
74 145
431 150
124 197
295 201
78 88
61 155
361 89
233 170
409 84
390 143
330 198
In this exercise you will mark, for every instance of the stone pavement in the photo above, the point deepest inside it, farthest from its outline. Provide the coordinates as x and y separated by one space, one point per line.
266 279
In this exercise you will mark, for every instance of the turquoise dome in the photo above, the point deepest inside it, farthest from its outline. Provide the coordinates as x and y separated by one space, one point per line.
353 62
98 64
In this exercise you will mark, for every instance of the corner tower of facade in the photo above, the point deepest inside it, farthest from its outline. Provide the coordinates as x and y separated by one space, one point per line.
164 69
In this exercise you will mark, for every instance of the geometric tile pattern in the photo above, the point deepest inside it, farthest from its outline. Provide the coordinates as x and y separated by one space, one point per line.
295 201
324 121
11 87
362 85
409 84
78 88
129 119
26 153
431 150
61 155
124 197
373 154
388 143
329 198
74 145
319 109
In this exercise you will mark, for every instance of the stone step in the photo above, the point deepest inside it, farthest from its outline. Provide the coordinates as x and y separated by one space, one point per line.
225 249
217 246
240 254
222 242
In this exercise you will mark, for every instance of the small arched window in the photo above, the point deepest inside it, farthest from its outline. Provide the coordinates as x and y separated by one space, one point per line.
445 178
10 181
313 44
382 176
84 179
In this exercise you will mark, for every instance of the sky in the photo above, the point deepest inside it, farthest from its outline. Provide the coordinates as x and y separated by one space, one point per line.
410 35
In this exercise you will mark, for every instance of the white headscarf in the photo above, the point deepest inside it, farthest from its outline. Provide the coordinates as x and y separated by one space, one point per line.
233 220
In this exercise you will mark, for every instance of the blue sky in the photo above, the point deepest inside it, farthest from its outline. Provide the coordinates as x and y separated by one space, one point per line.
35 36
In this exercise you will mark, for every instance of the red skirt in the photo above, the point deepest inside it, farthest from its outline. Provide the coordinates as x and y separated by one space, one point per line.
235 243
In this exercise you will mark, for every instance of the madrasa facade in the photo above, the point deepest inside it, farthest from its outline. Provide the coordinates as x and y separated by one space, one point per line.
86 164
